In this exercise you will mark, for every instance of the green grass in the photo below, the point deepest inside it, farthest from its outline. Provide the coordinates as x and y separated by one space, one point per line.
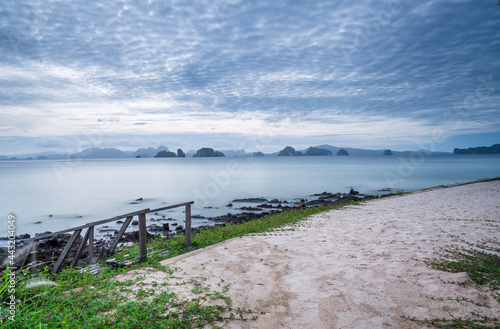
75 300
482 263
430 188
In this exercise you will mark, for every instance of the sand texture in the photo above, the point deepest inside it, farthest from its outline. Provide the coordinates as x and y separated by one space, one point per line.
358 267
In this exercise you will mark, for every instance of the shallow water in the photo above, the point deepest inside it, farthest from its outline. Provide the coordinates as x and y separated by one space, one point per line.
63 194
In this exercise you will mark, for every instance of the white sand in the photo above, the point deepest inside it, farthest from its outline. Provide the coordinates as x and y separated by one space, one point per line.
359 267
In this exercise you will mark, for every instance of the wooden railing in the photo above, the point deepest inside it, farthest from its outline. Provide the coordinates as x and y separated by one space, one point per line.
89 236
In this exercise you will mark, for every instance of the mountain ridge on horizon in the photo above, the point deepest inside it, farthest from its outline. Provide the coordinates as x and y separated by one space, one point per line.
150 152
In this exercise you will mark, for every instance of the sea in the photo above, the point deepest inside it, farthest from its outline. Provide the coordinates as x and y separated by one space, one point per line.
52 195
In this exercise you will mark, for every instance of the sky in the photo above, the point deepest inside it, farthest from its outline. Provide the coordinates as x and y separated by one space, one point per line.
254 75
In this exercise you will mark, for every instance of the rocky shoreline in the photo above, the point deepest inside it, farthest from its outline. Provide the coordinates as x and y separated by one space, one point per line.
242 210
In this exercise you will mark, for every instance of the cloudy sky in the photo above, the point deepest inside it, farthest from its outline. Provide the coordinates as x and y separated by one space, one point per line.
259 74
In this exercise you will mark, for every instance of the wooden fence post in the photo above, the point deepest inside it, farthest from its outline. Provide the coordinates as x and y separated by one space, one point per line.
143 236
91 245
188 225
81 248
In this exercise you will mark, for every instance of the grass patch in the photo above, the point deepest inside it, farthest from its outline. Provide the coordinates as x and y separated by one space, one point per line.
482 263
434 187
81 300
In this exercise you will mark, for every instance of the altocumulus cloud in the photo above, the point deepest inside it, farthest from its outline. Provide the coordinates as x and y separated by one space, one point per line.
356 73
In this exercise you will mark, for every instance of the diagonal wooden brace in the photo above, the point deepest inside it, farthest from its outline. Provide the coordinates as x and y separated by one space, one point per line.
66 251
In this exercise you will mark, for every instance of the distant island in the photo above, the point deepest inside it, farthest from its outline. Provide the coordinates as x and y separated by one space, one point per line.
205 152
166 154
163 151
208 152
311 151
494 149
314 151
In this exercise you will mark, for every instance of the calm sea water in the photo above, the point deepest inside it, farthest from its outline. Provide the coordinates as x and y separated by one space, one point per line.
63 194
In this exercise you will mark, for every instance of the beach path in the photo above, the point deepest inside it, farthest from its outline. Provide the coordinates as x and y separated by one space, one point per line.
357 267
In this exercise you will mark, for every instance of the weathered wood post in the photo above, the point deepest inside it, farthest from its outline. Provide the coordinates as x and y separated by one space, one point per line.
33 256
143 236
188 225
91 245
82 247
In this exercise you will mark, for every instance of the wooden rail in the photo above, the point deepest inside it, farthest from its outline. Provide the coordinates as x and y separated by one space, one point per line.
89 236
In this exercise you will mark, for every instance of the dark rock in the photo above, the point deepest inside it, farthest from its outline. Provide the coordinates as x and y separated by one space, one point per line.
180 153
352 192
107 230
24 236
313 151
140 199
250 200
166 154
494 149
265 205
135 222
134 236
179 228
287 151
119 222
229 205
205 152
314 202
166 227
43 233
208 152
82 262
53 243
274 201
39 222
251 208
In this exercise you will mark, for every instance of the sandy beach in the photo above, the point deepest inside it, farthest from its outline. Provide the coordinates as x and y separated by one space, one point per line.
358 267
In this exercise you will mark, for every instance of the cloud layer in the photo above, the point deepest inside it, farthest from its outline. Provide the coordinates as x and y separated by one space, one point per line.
363 74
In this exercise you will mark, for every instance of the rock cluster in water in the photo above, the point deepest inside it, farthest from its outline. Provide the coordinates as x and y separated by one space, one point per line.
49 249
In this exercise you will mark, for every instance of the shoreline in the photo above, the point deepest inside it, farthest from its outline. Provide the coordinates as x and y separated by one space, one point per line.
364 265
161 226
246 210
238 208
356 267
